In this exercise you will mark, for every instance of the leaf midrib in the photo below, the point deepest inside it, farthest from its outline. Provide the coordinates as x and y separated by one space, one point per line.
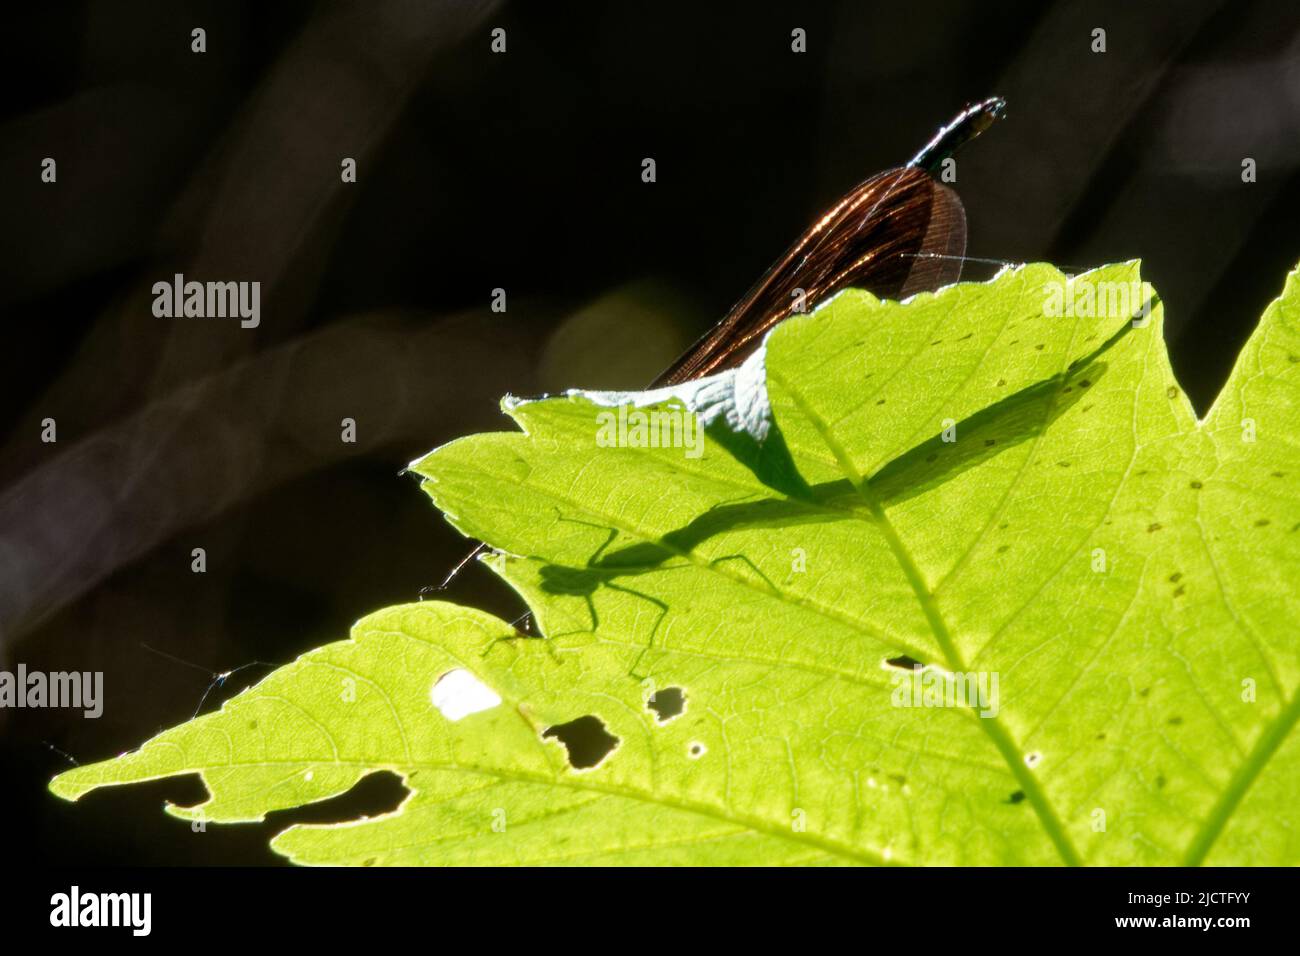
1043 808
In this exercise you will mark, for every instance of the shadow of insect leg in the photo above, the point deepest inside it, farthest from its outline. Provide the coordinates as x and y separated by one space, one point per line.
663 612
609 538
752 566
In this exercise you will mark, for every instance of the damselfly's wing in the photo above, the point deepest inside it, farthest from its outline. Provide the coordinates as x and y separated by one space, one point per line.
898 233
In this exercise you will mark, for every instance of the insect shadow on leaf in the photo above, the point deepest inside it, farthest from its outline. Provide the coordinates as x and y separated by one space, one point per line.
991 431
599 572
1002 425
1021 416
640 558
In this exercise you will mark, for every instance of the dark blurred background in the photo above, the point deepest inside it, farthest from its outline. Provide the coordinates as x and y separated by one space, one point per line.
477 171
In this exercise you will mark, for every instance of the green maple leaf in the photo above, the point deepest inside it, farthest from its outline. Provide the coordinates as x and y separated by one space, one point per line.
986 490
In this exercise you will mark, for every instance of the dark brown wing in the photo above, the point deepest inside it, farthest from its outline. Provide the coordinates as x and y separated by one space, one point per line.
898 233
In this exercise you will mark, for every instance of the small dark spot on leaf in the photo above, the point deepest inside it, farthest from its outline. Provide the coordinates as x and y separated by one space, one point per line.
1290 357
1068 389
1172 392
1144 692
1063 464
1279 474
1175 720
667 703
1084 383
1196 486
932 456
881 402
697 749
1001 382
1262 523
1160 781
1016 797
904 662
898 778
1038 347
1144 471
1003 525
990 442
1180 590
370 862
1175 577
1101 736
252 725
1154 526
937 342
586 740
1003 548
965 337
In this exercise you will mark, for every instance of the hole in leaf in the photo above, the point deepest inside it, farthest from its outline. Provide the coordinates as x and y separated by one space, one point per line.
667 703
903 662
1033 759
586 740
696 750
373 795
458 693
